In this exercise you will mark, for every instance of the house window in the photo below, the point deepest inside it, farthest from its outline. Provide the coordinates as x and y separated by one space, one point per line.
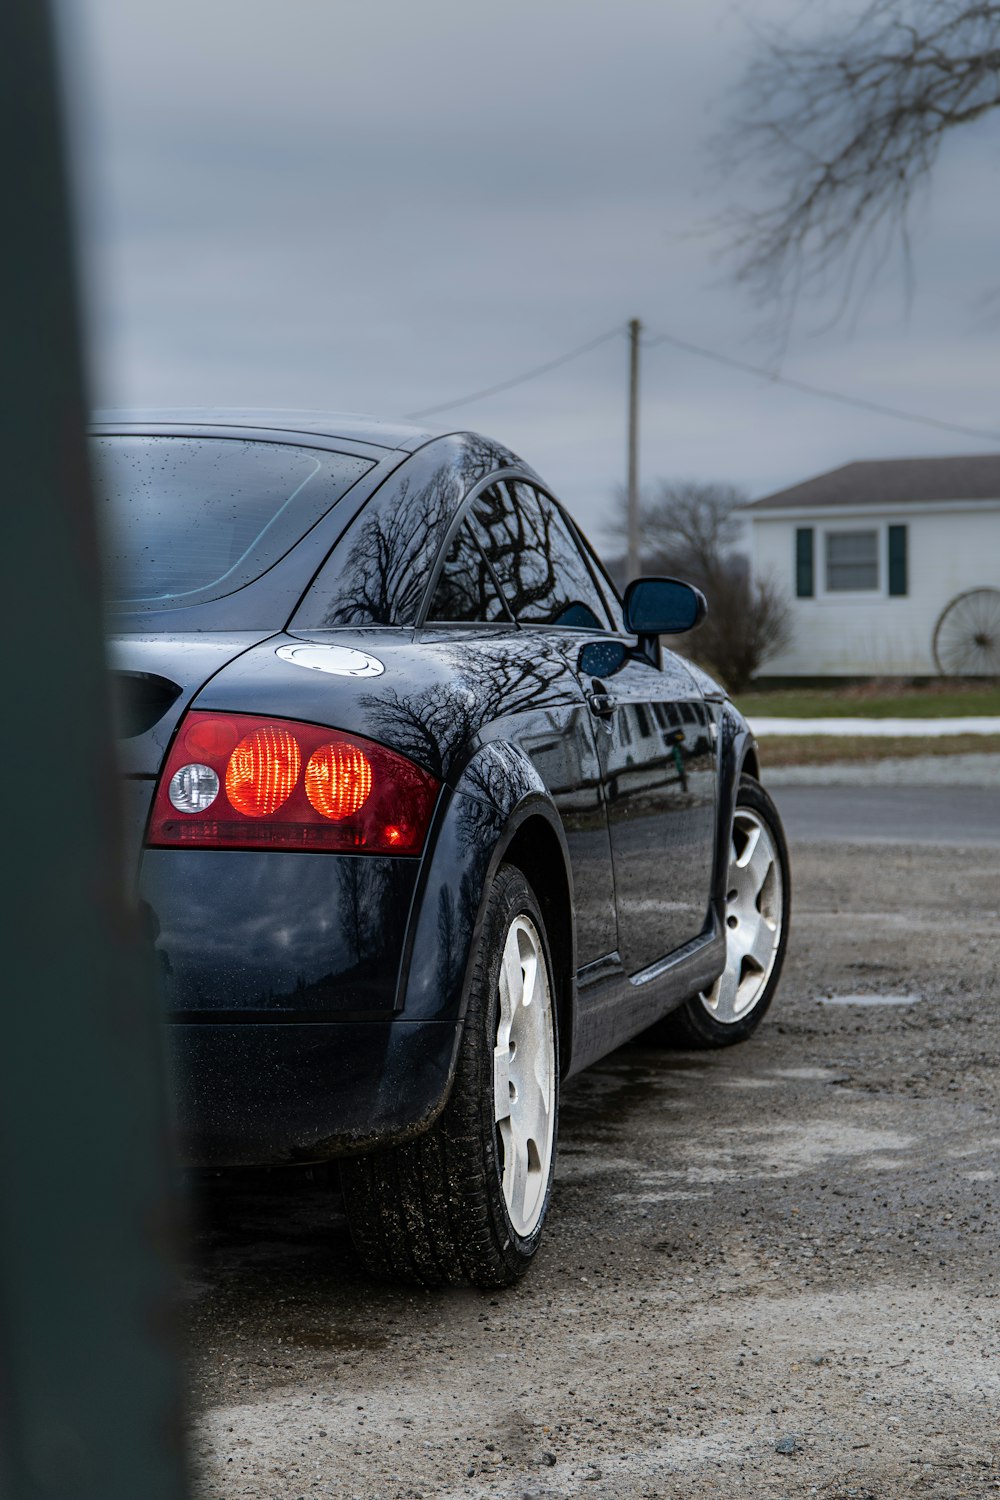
852 562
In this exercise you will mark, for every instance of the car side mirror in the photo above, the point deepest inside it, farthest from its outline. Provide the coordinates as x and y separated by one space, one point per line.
662 606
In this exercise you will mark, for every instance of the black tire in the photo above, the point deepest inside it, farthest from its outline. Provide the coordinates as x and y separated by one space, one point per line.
692 1026
433 1211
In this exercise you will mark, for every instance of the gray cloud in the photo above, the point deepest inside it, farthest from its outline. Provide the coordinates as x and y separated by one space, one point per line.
380 206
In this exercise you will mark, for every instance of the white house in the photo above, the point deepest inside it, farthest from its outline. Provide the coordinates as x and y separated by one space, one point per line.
872 555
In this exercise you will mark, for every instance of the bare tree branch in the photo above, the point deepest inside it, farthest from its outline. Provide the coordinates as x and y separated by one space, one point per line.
689 530
846 128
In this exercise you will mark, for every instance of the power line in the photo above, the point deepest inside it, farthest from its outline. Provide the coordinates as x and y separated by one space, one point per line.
862 403
819 390
506 385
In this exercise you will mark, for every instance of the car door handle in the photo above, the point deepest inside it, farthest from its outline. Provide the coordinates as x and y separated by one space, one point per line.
602 704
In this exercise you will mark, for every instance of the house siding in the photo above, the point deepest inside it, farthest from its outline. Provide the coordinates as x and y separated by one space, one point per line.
947 551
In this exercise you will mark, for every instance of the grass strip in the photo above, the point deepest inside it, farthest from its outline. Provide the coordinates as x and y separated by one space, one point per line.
830 749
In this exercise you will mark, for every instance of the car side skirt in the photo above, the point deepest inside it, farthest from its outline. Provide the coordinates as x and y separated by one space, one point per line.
612 1006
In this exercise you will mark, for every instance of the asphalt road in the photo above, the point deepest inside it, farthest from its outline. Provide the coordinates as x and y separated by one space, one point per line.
769 1272
896 814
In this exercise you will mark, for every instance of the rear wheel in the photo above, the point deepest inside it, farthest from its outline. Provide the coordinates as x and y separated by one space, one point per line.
467 1200
756 914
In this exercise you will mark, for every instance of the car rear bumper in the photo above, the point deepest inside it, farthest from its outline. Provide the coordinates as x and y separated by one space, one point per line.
249 1093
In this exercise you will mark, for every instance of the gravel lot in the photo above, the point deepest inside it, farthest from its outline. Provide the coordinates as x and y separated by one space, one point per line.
769 1272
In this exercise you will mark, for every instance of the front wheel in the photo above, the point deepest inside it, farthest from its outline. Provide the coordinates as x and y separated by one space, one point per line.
758 889
467 1200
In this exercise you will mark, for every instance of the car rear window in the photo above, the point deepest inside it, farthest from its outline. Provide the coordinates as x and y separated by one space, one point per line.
191 519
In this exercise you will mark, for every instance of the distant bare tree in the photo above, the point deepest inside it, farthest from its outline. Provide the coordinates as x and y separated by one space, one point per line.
692 523
689 530
748 622
846 127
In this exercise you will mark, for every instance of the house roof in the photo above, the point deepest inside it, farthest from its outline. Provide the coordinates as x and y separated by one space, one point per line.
893 481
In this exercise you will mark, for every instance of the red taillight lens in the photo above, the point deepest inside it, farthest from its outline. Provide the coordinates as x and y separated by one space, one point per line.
205 736
338 780
262 771
232 781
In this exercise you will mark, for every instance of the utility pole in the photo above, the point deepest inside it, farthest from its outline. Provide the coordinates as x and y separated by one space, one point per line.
634 558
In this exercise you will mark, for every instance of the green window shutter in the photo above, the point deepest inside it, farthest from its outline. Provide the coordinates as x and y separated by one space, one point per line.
897 561
804 586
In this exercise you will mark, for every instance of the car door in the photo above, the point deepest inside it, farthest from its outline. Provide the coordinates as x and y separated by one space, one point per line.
656 746
539 707
651 727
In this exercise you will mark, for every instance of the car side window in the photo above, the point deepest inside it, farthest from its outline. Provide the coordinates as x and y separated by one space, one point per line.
536 559
379 571
465 590
612 598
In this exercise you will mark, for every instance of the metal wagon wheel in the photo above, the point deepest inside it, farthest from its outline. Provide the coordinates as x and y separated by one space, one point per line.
966 640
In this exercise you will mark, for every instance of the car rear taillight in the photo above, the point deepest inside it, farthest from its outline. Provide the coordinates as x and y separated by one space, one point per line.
236 781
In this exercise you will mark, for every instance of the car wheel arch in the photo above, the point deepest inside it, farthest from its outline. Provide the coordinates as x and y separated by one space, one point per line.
532 839
751 763
738 757
498 810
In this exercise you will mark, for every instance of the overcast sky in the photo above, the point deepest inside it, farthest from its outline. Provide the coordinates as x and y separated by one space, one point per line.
378 206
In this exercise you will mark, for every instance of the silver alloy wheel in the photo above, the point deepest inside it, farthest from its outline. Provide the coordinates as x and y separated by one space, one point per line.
524 1074
753 920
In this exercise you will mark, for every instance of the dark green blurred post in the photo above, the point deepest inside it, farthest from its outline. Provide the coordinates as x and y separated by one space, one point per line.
88 1382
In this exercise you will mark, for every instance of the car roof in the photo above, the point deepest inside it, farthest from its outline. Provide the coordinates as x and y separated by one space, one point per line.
347 426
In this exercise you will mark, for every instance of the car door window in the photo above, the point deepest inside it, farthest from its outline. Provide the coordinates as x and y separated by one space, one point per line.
465 590
610 594
379 571
536 559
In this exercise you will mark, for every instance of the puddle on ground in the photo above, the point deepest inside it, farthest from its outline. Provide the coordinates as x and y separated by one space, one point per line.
869 999
337 1338
735 1154
604 1099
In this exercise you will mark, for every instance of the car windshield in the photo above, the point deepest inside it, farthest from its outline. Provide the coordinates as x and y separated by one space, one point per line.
189 519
